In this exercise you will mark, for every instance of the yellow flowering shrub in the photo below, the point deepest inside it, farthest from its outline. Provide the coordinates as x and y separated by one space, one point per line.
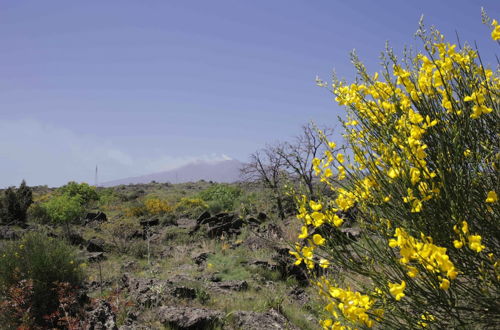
421 169
151 206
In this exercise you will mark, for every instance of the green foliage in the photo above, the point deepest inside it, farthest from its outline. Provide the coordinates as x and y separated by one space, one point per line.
43 261
86 193
190 207
107 197
38 213
220 197
14 203
64 209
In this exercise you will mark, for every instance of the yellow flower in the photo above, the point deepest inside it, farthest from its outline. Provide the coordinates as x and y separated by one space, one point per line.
340 158
337 221
495 34
318 240
323 263
475 243
304 233
412 271
467 153
492 197
445 284
458 244
397 290
315 206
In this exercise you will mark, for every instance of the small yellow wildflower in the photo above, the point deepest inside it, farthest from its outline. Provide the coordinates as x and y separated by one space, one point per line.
475 243
445 284
318 240
492 197
397 290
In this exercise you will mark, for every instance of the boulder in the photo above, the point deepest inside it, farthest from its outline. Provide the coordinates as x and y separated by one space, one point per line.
95 245
101 317
76 239
222 223
189 318
269 320
183 292
95 256
200 258
91 217
262 216
205 215
150 223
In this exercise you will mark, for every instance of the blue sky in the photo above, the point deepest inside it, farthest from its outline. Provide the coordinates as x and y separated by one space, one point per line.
144 86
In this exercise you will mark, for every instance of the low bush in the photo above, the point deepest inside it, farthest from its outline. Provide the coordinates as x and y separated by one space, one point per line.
31 270
86 193
220 197
190 207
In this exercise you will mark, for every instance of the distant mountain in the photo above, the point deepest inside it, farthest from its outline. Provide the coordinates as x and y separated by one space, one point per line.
217 171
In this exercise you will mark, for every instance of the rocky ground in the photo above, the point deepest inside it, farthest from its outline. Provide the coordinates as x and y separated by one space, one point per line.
215 272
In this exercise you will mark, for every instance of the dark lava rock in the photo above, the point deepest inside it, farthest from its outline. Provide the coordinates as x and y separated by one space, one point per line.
102 317
95 245
269 320
7 233
205 215
144 291
95 256
222 223
200 258
150 222
184 292
286 265
188 317
299 295
99 216
76 239
234 285
261 216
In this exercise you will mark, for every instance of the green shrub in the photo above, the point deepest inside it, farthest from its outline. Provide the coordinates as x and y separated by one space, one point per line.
38 213
44 262
190 207
86 193
423 177
108 198
64 209
220 197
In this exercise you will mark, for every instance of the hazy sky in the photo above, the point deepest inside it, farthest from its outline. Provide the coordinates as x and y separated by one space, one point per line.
142 86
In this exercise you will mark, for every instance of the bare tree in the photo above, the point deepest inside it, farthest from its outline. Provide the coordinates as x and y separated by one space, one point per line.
297 156
267 167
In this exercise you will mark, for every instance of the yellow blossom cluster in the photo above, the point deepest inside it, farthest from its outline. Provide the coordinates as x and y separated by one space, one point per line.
428 255
422 151
157 206
473 240
350 305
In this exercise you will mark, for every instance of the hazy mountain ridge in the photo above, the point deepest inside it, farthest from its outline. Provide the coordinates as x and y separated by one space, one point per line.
220 171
